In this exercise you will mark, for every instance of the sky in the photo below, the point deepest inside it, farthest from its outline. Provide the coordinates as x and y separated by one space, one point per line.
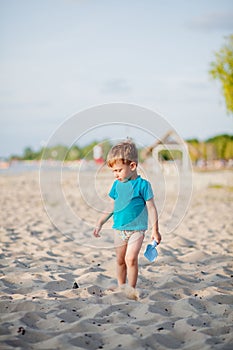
59 57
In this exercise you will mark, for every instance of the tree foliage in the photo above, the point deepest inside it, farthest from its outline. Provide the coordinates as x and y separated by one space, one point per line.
222 70
63 153
218 147
223 145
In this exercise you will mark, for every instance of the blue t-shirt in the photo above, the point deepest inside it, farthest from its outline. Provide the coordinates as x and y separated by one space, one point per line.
130 211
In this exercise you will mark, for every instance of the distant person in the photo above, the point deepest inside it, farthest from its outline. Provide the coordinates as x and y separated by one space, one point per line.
98 154
131 202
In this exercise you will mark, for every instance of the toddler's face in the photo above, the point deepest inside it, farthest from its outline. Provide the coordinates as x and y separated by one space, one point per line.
123 172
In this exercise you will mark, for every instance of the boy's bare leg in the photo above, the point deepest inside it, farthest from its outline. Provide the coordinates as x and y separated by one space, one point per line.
120 247
121 265
131 258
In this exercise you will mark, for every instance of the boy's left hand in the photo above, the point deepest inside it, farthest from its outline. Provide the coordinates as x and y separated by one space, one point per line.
156 236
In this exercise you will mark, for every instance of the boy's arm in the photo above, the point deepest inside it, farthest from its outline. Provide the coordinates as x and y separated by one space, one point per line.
104 218
153 218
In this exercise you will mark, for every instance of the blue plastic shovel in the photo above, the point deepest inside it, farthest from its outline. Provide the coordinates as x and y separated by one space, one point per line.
151 252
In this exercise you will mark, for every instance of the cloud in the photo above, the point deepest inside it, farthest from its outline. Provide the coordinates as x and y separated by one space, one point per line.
213 21
116 86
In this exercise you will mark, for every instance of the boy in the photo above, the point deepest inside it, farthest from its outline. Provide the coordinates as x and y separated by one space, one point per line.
131 202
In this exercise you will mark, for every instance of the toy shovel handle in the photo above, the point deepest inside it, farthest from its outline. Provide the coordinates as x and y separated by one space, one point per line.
154 244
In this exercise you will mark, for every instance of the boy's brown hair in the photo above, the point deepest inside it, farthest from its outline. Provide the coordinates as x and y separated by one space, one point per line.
126 151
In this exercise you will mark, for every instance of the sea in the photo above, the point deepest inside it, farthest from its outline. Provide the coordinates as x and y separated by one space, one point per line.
20 167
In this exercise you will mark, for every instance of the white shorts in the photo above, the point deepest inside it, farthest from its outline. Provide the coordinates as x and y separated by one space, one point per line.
128 236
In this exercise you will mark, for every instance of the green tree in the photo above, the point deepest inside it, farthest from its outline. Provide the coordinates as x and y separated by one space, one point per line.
87 151
57 152
74 153
28 154
223 145
222 70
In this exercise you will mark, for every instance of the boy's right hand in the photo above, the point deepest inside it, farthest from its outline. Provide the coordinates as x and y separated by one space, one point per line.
97 231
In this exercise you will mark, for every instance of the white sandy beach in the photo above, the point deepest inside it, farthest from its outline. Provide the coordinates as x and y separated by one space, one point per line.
183 300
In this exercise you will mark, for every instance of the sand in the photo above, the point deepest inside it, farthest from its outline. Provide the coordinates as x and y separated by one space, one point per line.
183 300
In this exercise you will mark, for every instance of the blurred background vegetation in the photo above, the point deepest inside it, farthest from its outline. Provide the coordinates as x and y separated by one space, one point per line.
215 148
221 69
218 147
